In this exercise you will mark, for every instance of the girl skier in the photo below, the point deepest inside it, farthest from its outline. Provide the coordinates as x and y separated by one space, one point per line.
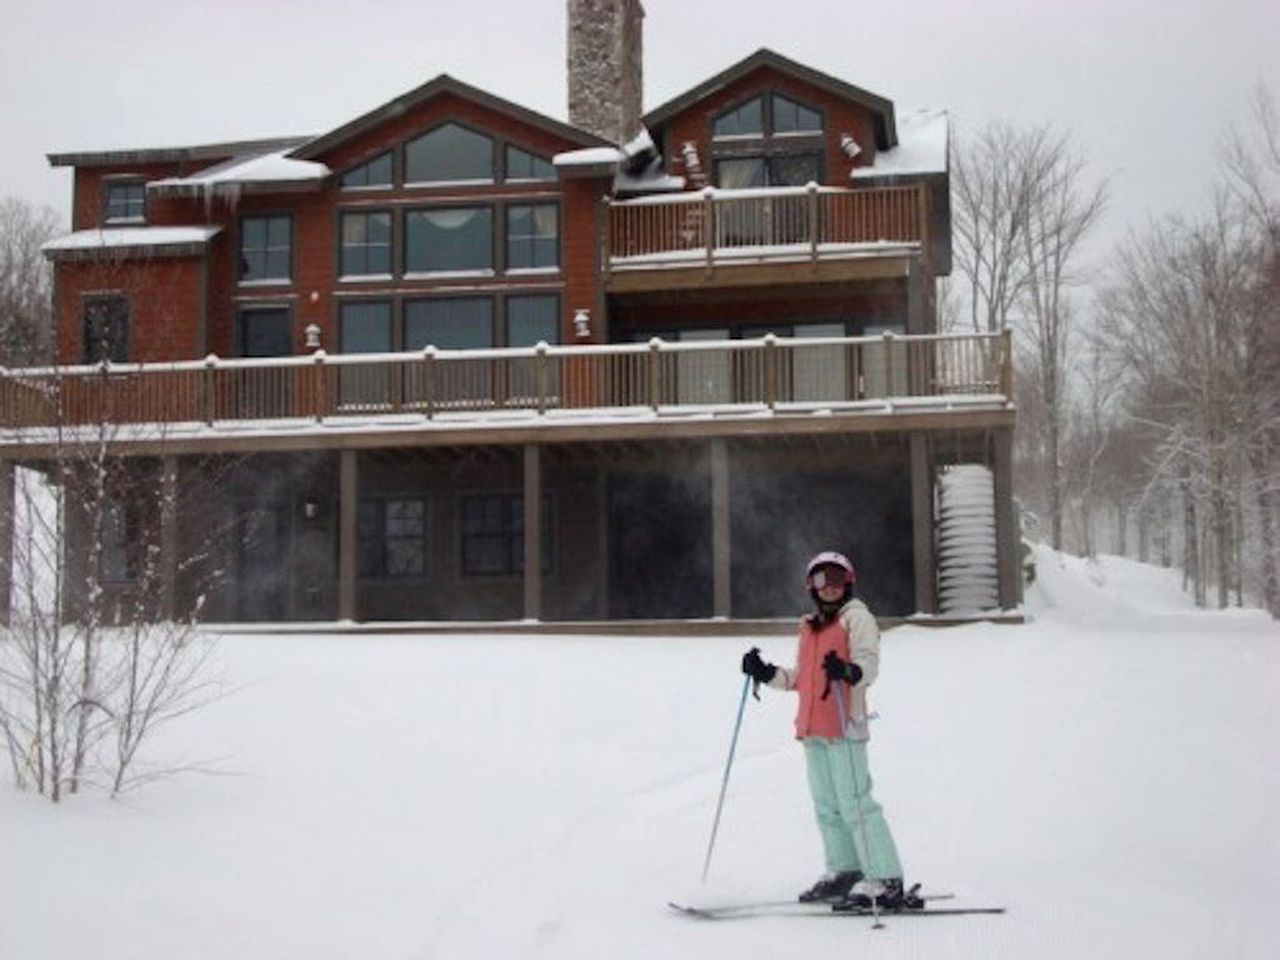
839 656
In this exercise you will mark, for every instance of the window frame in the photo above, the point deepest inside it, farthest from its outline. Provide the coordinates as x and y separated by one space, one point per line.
770 145
267 218
346 276
495 158
508 530
126 182
390 154
118 550
91 340
508 147
381 570
408 271
532 239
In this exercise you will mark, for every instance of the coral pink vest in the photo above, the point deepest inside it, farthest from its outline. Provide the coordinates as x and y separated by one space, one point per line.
816 717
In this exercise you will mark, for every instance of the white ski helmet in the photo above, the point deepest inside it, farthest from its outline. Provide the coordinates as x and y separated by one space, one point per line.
829 558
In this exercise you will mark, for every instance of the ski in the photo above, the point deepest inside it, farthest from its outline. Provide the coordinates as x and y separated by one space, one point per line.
767 907
794 909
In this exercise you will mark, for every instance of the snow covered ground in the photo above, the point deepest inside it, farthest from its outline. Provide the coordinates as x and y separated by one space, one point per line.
1108 772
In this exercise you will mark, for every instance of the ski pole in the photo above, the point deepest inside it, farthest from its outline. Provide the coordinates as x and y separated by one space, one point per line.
857 797
724 784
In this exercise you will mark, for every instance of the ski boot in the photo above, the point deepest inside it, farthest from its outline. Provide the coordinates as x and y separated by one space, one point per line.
831 888
886 895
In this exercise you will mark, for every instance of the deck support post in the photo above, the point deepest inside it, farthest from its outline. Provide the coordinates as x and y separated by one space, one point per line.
1007 539
922 524
348 491
532 531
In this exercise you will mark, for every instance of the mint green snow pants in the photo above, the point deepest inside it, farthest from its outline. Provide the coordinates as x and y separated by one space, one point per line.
840 783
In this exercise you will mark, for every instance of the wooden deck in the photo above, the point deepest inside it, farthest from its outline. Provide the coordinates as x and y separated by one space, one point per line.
558 394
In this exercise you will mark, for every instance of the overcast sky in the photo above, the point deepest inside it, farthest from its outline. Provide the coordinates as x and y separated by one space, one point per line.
1147 87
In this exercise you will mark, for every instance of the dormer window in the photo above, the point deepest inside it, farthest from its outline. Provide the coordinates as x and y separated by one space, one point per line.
769 141
375 173
449 154
126 201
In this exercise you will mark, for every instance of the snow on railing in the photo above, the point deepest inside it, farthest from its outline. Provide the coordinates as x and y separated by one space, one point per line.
764 372
716 223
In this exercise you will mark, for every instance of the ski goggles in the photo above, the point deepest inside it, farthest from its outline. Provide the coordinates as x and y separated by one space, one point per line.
831 576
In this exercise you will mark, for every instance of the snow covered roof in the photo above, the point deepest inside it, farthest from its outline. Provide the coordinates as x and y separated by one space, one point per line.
589 162
921 149
193 152
152 241
276 170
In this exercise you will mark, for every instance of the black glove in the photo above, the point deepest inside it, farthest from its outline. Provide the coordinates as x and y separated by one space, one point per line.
755 668
840 670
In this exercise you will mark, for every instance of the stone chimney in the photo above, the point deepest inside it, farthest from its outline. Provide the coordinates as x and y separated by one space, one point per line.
605 67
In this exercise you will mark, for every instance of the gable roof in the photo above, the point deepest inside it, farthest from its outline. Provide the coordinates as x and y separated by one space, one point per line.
442 84
881 109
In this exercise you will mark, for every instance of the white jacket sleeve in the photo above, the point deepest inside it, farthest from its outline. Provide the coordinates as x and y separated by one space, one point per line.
785 678
864 640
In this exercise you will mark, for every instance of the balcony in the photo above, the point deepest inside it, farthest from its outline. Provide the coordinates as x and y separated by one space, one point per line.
607 391
776 235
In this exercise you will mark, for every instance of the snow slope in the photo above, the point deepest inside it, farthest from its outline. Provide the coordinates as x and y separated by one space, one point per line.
1108 772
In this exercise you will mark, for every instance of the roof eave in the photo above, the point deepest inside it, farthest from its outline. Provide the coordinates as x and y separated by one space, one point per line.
444 83
194 152
882 108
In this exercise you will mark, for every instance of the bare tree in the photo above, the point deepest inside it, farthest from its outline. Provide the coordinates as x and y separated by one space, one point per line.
26 283
991 187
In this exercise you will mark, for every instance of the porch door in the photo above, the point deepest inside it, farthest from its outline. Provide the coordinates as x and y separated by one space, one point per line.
265 332
263 563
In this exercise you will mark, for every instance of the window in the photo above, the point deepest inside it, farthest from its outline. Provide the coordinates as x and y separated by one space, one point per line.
365 327
791 117
783 125
126 200
116 556
530 319
533 318
493 534
266 248
452 323
366 244
522 165
106 330
375 173
457 238
391 536
449 153
533 236
746 120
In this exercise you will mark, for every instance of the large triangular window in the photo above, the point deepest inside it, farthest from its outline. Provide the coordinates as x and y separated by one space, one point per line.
522 165
449 153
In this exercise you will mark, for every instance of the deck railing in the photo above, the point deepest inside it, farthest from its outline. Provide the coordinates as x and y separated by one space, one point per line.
769 372
720 224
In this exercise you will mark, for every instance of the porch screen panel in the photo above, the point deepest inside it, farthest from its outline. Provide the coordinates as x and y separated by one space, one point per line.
879 366
819 373
704 376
